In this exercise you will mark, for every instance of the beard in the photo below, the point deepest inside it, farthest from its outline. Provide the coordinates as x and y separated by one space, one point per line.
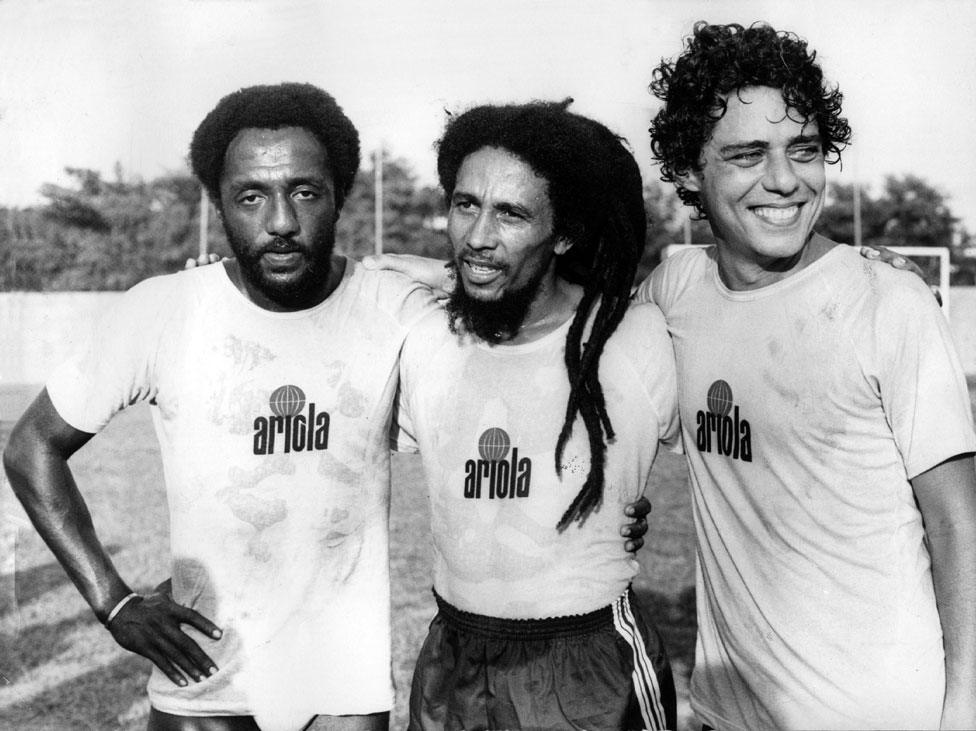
493 321
293 292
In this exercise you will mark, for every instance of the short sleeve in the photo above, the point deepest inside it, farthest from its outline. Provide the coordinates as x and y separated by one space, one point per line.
113 368
648 348
923 389
672 276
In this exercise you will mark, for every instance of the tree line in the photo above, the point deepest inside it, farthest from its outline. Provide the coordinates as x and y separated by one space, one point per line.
107 234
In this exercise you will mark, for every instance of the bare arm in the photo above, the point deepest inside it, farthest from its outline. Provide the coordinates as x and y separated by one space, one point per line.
434 273
36 460
946 496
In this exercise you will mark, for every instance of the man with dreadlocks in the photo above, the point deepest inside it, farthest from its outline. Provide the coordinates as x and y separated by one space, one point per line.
538 399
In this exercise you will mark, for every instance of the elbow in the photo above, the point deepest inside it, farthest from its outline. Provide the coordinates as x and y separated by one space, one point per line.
13 460
19 457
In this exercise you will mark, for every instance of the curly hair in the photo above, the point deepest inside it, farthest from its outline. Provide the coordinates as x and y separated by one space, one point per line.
272 107
717 60
595 190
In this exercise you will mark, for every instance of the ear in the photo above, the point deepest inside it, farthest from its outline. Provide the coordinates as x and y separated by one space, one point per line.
690 180
562 245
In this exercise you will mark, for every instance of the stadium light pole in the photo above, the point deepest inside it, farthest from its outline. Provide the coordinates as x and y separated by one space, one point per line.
856 195
378 199
204 221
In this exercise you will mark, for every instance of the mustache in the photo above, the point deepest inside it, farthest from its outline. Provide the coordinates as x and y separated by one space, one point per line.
281 245
473 258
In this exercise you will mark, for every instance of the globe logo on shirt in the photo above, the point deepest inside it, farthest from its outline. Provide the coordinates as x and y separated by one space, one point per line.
720 398
493 444
295 424
500 473
287 401
722 429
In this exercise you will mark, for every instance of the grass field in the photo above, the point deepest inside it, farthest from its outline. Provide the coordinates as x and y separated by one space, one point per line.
60 670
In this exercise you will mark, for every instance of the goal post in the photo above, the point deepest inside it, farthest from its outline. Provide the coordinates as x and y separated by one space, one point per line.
912 252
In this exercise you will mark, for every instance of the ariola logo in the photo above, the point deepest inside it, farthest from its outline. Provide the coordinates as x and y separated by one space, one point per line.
496 473
290 427
718 431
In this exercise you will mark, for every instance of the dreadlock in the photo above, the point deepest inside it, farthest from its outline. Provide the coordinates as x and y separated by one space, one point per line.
596 195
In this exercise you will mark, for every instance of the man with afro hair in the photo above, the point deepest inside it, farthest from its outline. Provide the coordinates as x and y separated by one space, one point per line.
538 400
271 379
824 415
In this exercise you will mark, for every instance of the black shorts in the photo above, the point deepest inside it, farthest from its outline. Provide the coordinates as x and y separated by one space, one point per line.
604 670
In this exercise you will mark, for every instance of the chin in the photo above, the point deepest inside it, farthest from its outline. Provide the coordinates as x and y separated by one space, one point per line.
780 247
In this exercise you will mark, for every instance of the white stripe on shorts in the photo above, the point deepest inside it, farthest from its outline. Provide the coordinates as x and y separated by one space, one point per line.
644 678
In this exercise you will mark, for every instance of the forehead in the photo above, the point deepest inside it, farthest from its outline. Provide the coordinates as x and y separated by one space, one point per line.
255 149
758 113
497 173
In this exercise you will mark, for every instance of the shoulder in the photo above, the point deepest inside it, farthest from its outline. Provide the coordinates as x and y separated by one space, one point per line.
685 264
428 341
878 282
675 274
431 328
642 320
642 335
168 290
392 293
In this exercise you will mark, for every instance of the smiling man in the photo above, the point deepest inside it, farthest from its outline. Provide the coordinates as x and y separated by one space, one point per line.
824 414
538 401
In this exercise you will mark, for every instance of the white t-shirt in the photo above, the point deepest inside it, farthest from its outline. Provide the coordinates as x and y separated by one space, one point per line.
486 419
273 429
807 406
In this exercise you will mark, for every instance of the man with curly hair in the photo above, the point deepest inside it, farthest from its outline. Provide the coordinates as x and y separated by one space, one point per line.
272 379
824 414
538 400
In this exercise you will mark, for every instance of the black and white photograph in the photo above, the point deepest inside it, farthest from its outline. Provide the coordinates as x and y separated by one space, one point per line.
455 366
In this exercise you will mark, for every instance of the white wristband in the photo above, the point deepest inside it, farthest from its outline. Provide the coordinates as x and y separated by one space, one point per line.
118 607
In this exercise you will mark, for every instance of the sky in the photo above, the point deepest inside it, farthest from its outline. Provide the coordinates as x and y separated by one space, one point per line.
92 83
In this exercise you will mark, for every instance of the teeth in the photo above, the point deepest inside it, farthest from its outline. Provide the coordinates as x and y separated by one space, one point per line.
776 215
482 268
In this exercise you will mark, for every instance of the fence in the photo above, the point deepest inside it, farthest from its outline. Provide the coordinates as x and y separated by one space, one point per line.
39 329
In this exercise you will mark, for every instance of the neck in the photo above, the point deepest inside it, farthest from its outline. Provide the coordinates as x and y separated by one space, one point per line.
741 274
554 304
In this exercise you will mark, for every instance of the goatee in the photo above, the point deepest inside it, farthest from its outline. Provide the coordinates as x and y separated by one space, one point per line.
294 292
493 321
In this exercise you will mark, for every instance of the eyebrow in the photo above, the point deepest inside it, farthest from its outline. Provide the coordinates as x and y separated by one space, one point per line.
251 182
460 195
764 145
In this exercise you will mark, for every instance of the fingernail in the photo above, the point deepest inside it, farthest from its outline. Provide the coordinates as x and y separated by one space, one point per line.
211 670
899 261
216 634
181 682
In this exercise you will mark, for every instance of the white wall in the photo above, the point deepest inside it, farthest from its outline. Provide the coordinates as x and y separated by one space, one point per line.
37 329
962 321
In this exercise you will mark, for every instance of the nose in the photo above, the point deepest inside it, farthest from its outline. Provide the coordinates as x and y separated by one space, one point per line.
281 219
780 176
481 232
